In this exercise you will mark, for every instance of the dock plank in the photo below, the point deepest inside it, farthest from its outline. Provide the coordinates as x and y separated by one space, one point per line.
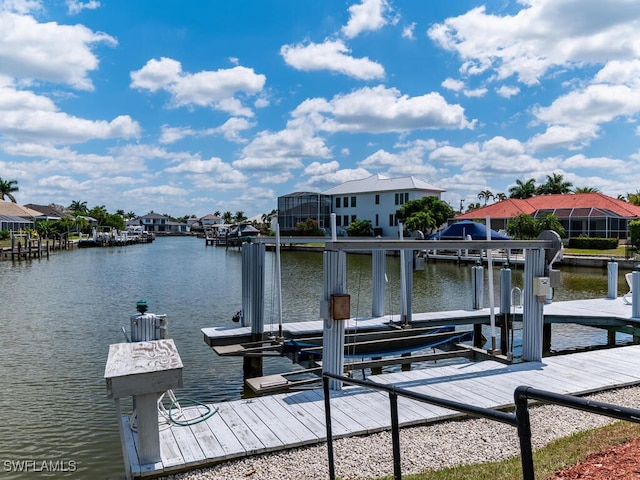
257 426
240 427
237 432
211 447
285 425
169 449
315 424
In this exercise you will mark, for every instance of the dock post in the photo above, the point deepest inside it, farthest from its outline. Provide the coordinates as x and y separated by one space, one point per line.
635 295
612 279
407 282
505 306
143 370
532 310
335 282
253 274
477 285
378 266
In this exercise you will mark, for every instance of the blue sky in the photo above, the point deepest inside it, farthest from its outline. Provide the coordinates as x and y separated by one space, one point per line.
191 107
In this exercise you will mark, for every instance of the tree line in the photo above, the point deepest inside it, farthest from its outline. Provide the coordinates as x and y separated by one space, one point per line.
554 184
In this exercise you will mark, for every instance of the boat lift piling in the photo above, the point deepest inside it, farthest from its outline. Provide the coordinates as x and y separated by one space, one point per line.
537 286
505 308
378 266
253 276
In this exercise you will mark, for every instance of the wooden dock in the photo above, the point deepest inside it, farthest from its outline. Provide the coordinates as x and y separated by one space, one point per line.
601 312
249 427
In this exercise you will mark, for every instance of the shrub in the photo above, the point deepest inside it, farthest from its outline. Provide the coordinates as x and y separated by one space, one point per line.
593 243
634 232
360 228
309 227
4 234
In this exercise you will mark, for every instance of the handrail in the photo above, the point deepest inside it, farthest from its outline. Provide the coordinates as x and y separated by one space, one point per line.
520 419
394 392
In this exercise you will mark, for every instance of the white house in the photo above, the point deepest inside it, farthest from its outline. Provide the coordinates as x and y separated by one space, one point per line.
375 198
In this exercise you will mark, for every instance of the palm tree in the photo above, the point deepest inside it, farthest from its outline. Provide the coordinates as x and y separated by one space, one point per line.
586 190
77 207
523 189
130 215
45 229
239 216
80 223
500 196
7 188
227 217
555 184
522 226
550 222
486 195
633 198
217 213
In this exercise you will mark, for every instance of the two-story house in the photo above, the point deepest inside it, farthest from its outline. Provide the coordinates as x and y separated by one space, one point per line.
375 198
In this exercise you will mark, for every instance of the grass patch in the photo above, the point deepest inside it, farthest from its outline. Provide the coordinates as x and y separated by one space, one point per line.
557 455
615 252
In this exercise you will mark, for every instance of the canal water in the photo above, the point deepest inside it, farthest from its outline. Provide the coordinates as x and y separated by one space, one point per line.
59 316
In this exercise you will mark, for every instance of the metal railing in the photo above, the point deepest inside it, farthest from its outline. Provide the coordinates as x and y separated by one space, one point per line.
519 419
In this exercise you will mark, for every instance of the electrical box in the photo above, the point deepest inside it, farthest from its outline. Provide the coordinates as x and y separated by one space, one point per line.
541 286
554 278
340 306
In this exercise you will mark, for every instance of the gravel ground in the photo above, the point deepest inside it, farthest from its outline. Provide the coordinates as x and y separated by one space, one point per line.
423 448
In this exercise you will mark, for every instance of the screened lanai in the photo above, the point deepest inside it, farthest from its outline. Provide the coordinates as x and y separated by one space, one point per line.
14 223
588 222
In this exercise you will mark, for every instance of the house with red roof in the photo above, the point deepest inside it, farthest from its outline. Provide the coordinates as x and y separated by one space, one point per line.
586 214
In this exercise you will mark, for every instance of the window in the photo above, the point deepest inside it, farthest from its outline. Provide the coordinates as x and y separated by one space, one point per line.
402 198
345 221
337 202
377 199
377 222
392 220
353 218
353 202
345 202
338 221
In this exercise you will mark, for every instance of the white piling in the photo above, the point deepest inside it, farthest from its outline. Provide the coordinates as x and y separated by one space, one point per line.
335 281
477 286
532 313
635 294
492 314
253 274
612 279
378 259
406 280
505 290
278 279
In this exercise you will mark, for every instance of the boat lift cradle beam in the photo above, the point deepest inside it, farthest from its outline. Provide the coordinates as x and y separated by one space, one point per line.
381 244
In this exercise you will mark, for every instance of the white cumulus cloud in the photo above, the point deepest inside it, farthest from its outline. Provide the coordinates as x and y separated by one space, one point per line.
331 55
215 89
366 16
